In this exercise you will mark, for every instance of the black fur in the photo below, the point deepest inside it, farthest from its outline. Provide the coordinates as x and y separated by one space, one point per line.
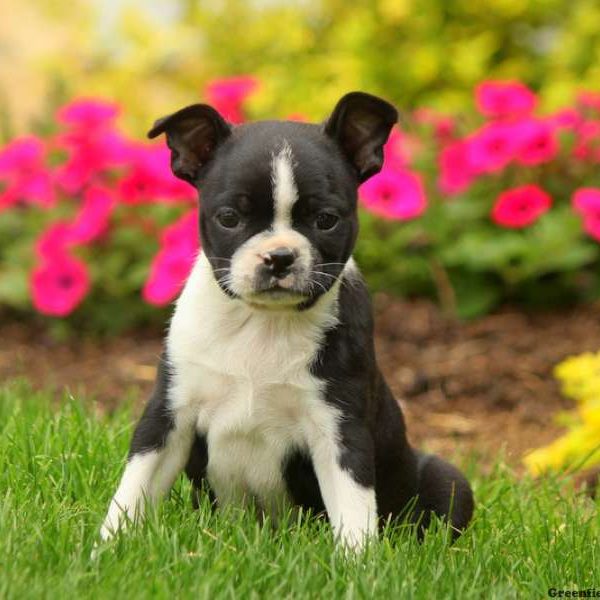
232 167
156 421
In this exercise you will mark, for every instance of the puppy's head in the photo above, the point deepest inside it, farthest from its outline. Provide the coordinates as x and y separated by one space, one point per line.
278 220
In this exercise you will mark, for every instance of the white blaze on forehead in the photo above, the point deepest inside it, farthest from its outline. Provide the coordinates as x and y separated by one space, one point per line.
285 192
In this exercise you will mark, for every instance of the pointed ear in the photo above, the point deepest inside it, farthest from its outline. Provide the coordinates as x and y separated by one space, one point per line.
360 124
193 134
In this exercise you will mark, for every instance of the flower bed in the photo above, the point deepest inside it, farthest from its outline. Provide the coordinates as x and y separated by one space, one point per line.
501 205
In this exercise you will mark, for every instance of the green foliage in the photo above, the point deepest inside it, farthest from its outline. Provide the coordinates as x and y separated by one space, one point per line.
457 255
60 467
119 265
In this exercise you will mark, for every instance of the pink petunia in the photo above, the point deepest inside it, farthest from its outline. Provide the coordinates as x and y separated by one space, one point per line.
228 95
93 218
586 202
55 240
591 225
492 148
587 141
24 174
537 142
150 179
396 195
504 99
21 153
456 171
88 113
168 272
394 152
183 235
521 206
567 118
89 154
173 262
59 284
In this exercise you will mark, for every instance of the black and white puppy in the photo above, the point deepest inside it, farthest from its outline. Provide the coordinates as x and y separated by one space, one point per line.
268 390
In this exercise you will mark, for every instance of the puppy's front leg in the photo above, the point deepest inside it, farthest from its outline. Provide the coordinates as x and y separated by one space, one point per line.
346 475
159 450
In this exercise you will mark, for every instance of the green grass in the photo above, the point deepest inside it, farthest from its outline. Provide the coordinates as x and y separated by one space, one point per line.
59 465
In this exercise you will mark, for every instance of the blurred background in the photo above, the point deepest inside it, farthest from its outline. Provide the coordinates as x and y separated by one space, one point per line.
154 55
479 239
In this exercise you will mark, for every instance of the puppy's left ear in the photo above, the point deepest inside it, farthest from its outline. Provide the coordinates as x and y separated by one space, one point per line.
193 135
360 124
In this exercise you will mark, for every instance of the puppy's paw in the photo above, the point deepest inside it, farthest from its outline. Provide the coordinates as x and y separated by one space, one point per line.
355 541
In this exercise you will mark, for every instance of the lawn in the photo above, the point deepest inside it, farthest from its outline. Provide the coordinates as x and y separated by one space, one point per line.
60 464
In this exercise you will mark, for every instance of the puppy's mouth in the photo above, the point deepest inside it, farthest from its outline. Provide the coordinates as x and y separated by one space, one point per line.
277 295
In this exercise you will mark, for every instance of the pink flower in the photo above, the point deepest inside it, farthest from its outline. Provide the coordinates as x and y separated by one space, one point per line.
229 94
183 235
456 171
58 285
150 178
21 153
24 173
168 272
174 261
396 195
492 148
88 113
90 222
586 202
55 240
90 153
537 142
591 225
394 152
521 206
567 118
93 218
504 99
587 144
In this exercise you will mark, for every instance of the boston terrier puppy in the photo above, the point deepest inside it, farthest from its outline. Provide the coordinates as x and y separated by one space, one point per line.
268 391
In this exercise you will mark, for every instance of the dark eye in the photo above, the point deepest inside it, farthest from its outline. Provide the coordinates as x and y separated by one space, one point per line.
228 218
326 221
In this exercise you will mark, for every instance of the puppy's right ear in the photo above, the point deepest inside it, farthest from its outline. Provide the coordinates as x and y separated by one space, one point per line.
193 135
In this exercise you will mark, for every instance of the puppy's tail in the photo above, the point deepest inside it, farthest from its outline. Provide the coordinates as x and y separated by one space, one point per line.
443 491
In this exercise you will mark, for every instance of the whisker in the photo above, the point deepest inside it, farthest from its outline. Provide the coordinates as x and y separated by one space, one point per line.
329 264
343 281
319 284
218 258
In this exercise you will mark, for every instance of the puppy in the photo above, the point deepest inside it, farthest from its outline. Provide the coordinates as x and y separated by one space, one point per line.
268 390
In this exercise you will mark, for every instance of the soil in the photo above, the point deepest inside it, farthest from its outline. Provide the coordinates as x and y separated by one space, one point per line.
482 388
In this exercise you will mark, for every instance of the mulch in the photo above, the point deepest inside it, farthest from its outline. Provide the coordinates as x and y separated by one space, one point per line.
482 388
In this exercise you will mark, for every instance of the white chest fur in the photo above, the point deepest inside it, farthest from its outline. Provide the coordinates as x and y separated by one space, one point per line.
243 375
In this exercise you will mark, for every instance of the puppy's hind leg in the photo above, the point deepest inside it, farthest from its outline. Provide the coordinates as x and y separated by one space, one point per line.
443 491
159 450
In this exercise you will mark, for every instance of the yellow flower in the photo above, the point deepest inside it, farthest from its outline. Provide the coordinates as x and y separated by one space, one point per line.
579 447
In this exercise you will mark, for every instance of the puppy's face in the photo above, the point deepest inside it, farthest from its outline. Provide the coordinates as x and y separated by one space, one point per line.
278 220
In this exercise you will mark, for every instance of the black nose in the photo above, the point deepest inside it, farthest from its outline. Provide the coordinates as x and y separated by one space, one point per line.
279 261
